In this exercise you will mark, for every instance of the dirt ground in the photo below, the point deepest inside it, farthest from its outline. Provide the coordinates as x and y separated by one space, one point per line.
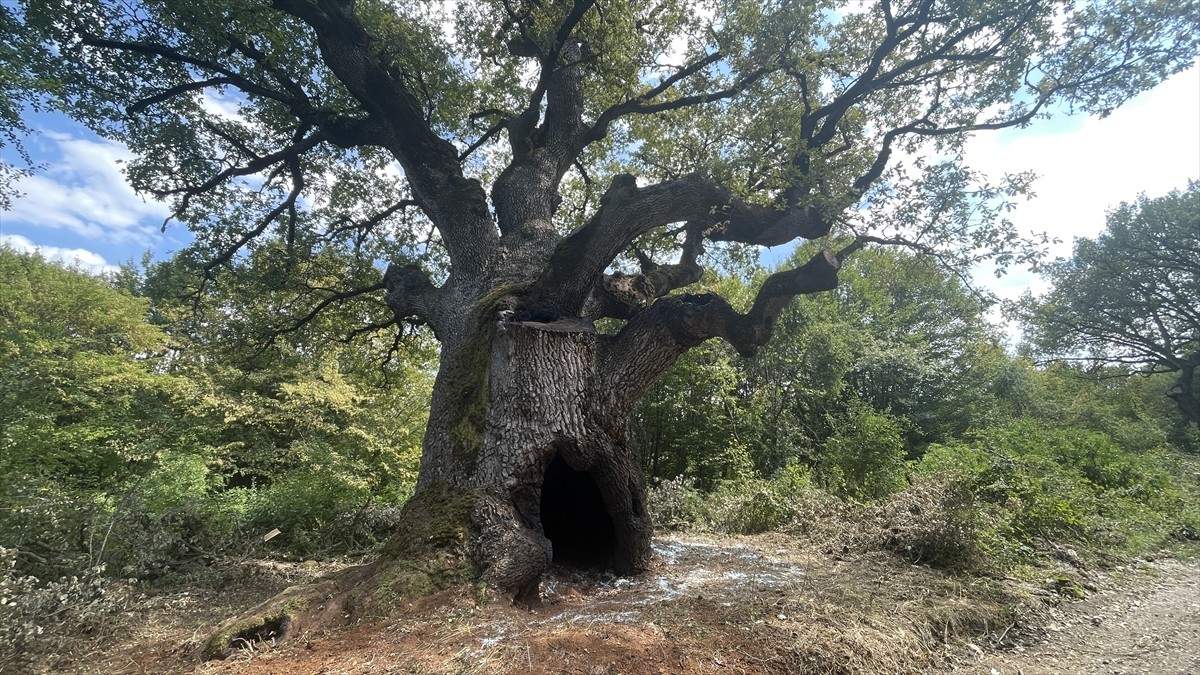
763 604
1150 626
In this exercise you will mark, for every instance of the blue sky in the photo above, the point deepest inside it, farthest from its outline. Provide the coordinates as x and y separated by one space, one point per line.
1087 166
79 208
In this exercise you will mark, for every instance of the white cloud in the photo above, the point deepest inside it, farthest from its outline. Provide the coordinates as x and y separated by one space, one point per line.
85 192
77 257
1087 167
224 106
1151 146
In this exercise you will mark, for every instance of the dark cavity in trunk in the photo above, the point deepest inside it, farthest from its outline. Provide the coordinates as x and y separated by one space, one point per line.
575 519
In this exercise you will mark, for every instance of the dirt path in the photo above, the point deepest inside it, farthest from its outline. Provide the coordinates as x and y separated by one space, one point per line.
1148 628
752 605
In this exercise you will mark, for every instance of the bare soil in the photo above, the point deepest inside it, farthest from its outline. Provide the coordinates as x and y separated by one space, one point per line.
765 604
1146 625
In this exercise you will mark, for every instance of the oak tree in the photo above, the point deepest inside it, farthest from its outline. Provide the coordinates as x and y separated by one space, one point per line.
1128 298
544 181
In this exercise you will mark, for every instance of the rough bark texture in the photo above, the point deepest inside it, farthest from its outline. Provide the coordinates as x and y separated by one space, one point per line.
1183 392
536 397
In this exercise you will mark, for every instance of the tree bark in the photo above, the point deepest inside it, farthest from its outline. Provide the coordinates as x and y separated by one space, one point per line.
553 449
1183 392
526 463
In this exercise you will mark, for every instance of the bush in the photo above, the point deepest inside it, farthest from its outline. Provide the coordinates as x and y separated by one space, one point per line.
748 507
675 504
741 506
864 458
33 614
1045 485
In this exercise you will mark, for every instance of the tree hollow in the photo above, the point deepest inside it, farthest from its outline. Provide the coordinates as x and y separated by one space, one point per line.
575 518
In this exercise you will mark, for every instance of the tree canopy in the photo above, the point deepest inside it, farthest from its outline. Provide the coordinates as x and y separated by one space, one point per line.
384 128
1129 297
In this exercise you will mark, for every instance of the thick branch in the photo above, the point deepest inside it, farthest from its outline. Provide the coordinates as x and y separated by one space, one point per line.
1184 394
627 211
526 193
818 274
455 204
411 295
621 296
653 339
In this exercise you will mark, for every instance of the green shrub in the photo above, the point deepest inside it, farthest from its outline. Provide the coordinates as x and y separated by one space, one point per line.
676 504
1044 484
748 507
864 458
740 506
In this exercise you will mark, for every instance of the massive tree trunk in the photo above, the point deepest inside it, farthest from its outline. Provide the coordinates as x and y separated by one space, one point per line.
526 458
541 438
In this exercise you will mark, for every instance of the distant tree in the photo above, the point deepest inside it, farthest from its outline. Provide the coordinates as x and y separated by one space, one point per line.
1131 296
126 445
84 413
900 333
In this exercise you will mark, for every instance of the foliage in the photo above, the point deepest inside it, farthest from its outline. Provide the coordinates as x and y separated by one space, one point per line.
688 423
1023 459
142 451
899 334
853 384
1042 485
322 435
1128 297
85 414
864 457
741 506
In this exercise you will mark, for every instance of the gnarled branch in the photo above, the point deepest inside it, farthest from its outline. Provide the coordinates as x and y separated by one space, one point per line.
455 204
411 295
621 296
653 339
627 211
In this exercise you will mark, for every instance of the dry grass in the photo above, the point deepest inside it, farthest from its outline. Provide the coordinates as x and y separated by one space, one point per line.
855 613
831 597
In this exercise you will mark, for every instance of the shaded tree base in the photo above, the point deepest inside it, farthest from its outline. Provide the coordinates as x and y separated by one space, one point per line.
451 537
429 552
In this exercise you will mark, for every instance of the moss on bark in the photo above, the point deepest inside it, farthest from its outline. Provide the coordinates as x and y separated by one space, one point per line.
468 397
429 553
277 619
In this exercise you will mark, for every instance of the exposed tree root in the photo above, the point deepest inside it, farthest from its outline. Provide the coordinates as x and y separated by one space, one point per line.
427 554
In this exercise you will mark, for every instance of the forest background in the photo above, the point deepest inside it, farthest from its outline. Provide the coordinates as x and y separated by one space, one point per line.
144 445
